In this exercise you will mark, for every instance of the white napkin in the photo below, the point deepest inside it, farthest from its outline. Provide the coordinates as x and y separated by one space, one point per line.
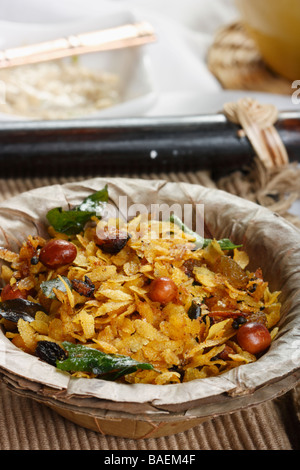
184 30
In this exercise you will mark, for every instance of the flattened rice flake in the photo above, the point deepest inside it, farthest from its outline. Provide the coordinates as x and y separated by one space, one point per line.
120 317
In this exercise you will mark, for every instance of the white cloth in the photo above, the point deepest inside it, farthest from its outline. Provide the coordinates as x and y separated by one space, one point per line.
178 58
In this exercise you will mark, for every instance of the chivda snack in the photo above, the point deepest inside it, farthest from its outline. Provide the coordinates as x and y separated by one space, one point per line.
138 302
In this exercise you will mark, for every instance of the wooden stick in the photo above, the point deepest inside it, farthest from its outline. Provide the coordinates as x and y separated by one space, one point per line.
108 39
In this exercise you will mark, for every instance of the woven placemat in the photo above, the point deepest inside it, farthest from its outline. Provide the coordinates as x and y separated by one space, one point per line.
236 62
273 425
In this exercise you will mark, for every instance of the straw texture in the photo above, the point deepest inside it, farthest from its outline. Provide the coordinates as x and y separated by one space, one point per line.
236 62
270 426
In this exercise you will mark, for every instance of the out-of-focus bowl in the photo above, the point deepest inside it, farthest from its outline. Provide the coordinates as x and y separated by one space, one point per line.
137 89
274 25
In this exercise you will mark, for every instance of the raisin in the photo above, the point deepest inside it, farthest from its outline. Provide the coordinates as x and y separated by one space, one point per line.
194 311
189 265
50 352
85 287
230 269
259 317
111 240
224 355
239 321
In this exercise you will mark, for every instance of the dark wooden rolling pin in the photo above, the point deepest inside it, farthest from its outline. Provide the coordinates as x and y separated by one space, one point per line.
133 145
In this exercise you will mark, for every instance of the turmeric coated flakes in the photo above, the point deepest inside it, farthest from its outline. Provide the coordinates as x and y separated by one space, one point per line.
158 300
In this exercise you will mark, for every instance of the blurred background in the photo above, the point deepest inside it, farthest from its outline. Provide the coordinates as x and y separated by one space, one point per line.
190 68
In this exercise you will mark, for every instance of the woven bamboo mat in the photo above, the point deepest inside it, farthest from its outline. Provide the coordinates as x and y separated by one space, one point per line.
273 425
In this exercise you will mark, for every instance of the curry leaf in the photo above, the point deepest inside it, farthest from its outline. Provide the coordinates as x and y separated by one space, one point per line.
95 202
73 221
68 222
105 366
14 309
227 244
56 283
201 242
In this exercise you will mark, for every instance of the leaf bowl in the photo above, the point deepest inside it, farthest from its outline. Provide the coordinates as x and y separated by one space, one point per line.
141 410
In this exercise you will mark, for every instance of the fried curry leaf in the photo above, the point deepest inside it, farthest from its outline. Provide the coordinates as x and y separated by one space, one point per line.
56 283
68 222
95 202
14 309
200 242
49 352
105 366
73 221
